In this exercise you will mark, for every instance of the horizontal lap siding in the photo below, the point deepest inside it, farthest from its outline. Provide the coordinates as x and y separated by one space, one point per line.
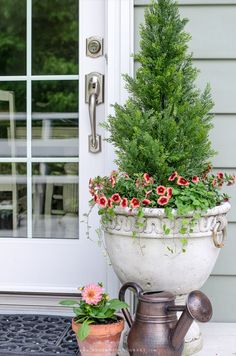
213 28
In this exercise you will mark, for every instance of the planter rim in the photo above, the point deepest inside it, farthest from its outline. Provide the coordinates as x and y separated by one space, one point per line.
103 329
160 212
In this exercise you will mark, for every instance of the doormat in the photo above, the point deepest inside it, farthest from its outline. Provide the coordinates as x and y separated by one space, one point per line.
38 335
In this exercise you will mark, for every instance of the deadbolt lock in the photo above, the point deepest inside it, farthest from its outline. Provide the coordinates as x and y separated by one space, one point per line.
94 46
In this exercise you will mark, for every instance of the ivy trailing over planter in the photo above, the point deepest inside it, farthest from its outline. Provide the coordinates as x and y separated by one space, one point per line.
143 191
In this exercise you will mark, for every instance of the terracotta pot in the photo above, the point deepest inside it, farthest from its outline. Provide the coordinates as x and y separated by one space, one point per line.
103 339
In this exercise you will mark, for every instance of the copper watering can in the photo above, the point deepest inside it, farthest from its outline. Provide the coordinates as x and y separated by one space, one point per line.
156 330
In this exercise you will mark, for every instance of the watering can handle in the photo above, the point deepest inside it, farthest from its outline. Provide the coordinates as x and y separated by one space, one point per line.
123 289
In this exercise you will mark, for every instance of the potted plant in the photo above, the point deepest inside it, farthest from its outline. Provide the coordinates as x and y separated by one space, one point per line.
163 211
96 325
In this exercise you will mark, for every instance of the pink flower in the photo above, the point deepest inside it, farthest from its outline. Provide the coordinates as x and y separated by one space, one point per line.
148 193
163 200
126 175
134 203
95 198
124 203
195 179
173 176
147 177
231 180
91 191
146 201
92 294
103 202
182 181
113 181
220 175
161 190
169 192
109 203
91 183
116 198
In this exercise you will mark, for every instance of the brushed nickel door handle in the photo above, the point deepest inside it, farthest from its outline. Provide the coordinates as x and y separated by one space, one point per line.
94 96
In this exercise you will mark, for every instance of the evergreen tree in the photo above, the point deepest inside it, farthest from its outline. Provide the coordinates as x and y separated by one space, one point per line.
164 125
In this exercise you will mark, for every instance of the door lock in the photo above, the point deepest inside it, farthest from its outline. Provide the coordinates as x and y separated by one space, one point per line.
94 46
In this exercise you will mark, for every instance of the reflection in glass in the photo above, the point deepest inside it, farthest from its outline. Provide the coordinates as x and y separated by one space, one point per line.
55 118
12 119
12 37
55 37
13 200
55 200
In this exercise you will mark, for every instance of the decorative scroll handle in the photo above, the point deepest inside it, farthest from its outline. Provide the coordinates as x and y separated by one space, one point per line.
219 243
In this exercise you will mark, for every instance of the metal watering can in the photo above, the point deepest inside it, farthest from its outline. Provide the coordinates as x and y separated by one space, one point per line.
156 329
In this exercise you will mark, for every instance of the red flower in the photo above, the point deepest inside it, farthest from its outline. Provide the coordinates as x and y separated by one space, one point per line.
146 201
147 177
231 180
161 190
124 203
214 182
116 198
173 176
182 181
163 200
169 192
113 181
103 202
95 198
195 179
109 203
134 203
220 175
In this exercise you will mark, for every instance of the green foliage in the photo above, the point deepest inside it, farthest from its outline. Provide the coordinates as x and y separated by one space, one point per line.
164 125
101 311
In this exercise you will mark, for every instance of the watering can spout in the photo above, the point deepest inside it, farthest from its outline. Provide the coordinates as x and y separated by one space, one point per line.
198 307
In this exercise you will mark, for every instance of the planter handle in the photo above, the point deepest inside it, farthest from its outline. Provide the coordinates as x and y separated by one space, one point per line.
215 231
123 289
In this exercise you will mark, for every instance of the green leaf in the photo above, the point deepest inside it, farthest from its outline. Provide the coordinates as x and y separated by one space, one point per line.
83 331
68 303
117 304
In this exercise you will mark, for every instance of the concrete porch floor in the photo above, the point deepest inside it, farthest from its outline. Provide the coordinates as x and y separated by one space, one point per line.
219 339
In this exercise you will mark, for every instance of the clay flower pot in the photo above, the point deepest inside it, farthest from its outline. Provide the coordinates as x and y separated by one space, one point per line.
103 339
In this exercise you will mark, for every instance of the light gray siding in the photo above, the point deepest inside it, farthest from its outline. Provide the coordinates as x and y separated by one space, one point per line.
213 28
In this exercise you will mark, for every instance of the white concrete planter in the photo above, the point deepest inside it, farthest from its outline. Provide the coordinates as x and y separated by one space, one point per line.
145 259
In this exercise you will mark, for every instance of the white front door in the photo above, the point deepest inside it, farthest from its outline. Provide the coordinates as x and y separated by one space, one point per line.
45 163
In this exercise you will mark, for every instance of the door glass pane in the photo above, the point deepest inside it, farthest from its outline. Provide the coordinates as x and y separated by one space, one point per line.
12 37
55 118
12 119
55 200
13 200
55 37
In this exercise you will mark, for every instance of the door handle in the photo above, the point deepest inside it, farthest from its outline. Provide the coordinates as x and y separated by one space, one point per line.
94 96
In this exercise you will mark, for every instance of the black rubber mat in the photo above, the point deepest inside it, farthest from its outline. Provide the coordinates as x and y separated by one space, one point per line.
38 335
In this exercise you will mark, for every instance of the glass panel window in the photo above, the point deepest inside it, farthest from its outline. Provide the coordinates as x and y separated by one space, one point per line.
55 200
55 37
13 119
55 118
12 37
13 200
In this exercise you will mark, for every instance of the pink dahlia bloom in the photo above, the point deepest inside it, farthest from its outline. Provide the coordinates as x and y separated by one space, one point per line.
92 294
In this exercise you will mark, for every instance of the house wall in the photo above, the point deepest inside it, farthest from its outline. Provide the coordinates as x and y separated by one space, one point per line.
213 28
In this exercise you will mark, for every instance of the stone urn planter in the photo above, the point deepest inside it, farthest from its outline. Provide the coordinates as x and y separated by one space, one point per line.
103 339
146 259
